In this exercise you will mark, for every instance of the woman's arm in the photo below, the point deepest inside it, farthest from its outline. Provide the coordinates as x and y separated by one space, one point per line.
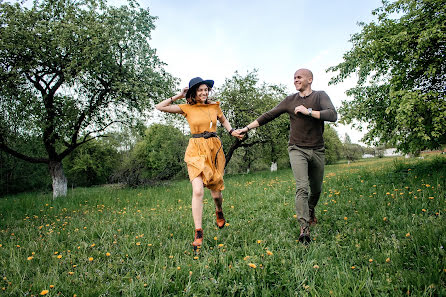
225 123
166 104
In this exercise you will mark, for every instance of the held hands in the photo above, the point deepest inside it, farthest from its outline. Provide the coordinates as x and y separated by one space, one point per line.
237 134
240 133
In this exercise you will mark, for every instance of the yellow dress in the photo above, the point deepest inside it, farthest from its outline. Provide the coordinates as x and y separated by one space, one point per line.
201 153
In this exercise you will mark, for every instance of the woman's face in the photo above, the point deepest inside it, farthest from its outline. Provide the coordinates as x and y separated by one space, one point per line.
202 93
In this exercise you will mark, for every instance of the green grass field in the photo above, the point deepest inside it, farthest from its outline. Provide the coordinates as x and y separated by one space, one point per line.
381 232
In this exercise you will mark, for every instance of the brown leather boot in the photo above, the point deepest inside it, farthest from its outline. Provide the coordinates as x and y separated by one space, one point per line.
313 219
198 240
220 219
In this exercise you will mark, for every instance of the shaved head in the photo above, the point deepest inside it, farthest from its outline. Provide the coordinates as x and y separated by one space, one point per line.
306 72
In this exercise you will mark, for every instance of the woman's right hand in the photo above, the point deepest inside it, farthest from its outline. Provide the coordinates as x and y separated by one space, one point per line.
184 92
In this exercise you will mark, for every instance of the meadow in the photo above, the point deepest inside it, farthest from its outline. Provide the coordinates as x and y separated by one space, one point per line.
381 232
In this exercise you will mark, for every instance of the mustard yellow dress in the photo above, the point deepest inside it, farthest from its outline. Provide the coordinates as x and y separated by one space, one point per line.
202 153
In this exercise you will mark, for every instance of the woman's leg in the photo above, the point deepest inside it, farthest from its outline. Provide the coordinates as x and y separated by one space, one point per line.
197 201
218 199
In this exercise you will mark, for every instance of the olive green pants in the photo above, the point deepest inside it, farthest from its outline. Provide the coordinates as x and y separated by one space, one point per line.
308 169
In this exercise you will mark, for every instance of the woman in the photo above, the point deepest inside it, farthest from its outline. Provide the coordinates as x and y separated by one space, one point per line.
204 155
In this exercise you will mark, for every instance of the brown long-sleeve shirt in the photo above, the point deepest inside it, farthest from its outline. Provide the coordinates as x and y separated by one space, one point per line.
305 131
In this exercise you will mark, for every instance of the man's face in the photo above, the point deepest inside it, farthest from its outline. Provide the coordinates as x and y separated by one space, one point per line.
302 80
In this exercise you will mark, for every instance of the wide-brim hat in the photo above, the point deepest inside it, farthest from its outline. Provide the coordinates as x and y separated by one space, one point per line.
196 82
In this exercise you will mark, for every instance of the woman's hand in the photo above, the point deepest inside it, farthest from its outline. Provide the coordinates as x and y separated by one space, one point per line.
183 92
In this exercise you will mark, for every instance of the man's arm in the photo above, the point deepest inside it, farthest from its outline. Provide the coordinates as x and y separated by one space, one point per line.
264 118
328 111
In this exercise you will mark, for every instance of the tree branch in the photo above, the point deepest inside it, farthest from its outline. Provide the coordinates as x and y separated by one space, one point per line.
16 154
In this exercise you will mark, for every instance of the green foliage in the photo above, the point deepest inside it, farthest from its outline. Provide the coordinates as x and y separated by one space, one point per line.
333 145
352 151
17 175
243 100
157 156
401 69
380 232
70 70
93 163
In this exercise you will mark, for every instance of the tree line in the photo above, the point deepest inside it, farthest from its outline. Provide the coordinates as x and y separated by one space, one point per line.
74 71
141 156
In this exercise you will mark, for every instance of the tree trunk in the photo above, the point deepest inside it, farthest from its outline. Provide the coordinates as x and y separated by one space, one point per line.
59 179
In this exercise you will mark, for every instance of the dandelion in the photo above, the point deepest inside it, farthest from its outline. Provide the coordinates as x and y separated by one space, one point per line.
385 219
190 273
345 218
149 244
269 253
51 286
70 272
92 245
408 234
138 243
170 257
221 244
44 292
246 258
316 266
215 238
259 241
179 267
353 267
370 260
196 257
252 265
30 258
387 260
108 254
59 257
423 210
90 259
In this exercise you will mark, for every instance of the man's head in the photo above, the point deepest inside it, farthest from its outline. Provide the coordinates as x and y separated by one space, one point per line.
303 79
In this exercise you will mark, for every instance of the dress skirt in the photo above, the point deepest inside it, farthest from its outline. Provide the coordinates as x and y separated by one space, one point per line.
205 157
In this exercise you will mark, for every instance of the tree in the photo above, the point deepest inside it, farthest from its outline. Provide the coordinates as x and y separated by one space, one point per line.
242 100
70 70
333 145
400 64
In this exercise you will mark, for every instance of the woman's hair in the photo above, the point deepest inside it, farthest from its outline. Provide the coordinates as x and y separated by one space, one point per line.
191 100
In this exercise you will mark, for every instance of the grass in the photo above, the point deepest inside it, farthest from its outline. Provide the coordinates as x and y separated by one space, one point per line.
381 232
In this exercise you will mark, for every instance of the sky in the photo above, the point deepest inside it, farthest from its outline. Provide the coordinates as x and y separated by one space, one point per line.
214 39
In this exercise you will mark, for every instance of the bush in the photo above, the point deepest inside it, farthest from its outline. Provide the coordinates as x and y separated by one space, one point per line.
158 156
93 163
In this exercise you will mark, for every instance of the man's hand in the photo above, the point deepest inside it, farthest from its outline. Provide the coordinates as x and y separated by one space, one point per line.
302 109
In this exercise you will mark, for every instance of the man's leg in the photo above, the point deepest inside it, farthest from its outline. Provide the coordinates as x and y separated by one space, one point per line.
316 176
299 164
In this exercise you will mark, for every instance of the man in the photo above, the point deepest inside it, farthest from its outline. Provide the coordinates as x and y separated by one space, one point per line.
308 110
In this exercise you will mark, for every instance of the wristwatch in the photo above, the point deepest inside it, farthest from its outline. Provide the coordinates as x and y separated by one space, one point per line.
310 110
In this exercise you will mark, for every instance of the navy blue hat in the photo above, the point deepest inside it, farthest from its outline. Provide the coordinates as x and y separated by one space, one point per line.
197 81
